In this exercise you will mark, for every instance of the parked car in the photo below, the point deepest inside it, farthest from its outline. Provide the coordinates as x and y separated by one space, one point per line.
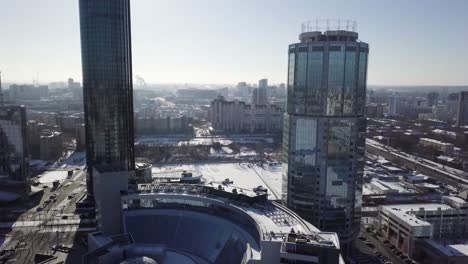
370 245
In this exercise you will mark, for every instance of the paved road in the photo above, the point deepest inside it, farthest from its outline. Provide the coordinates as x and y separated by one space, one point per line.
379 246
433 169
36 231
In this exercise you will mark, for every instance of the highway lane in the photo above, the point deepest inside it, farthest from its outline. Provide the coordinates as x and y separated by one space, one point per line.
443 173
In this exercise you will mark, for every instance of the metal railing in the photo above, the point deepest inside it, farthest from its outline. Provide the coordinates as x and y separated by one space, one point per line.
329 24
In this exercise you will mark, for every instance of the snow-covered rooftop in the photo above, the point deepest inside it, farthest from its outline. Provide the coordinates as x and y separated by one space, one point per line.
404 212
270 217
450 249
244 176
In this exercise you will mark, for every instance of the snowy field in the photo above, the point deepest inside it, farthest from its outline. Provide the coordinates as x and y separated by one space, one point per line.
71 161
243 175
76 159
51 176
179 141
227 152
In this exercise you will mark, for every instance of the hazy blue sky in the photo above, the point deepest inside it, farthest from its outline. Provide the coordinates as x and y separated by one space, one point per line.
226 41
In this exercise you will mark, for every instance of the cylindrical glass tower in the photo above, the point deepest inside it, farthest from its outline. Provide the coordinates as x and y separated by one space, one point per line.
107 85
324 128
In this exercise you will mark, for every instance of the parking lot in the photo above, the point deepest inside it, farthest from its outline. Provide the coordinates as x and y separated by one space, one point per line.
382 249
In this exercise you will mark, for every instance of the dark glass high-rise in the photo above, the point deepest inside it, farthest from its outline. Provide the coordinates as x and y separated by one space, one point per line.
107 85
14 147
324 128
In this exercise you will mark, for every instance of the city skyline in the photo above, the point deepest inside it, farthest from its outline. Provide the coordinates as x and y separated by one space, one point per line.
253 137
246 47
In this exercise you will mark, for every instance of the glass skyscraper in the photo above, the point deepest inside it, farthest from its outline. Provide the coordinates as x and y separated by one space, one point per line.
462 115
107 85
324 128
14 151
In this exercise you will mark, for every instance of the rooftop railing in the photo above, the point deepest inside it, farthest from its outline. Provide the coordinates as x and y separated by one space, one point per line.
329 24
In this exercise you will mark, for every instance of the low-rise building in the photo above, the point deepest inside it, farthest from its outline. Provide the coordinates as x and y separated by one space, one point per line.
48 118
68 122
389 185
163 125
28 92
417 178
375 110
240 117
405 224
51 143
380 187
443 251
35 130
437 145
143 172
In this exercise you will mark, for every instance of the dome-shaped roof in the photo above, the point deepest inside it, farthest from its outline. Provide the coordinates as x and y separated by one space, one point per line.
139 260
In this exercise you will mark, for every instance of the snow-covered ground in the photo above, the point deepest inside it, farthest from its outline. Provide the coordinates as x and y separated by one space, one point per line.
272 175
51 176
179 141
72 160
243 175
227 150
77 159
40 164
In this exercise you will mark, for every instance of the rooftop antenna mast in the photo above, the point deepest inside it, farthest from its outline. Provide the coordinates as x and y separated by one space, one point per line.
36 81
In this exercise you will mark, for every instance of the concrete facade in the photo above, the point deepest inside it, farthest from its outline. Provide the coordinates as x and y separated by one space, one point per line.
51 145
237 116
404 225
436 144
107 187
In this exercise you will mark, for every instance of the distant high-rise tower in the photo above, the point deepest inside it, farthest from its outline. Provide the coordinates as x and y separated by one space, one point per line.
432 98
1 92
259 95
263 83
393 104
324 128
452 104
462 115
107 85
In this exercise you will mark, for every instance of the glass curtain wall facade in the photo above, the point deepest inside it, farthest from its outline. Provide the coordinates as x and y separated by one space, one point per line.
462 117
14 152
324 131
107 85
